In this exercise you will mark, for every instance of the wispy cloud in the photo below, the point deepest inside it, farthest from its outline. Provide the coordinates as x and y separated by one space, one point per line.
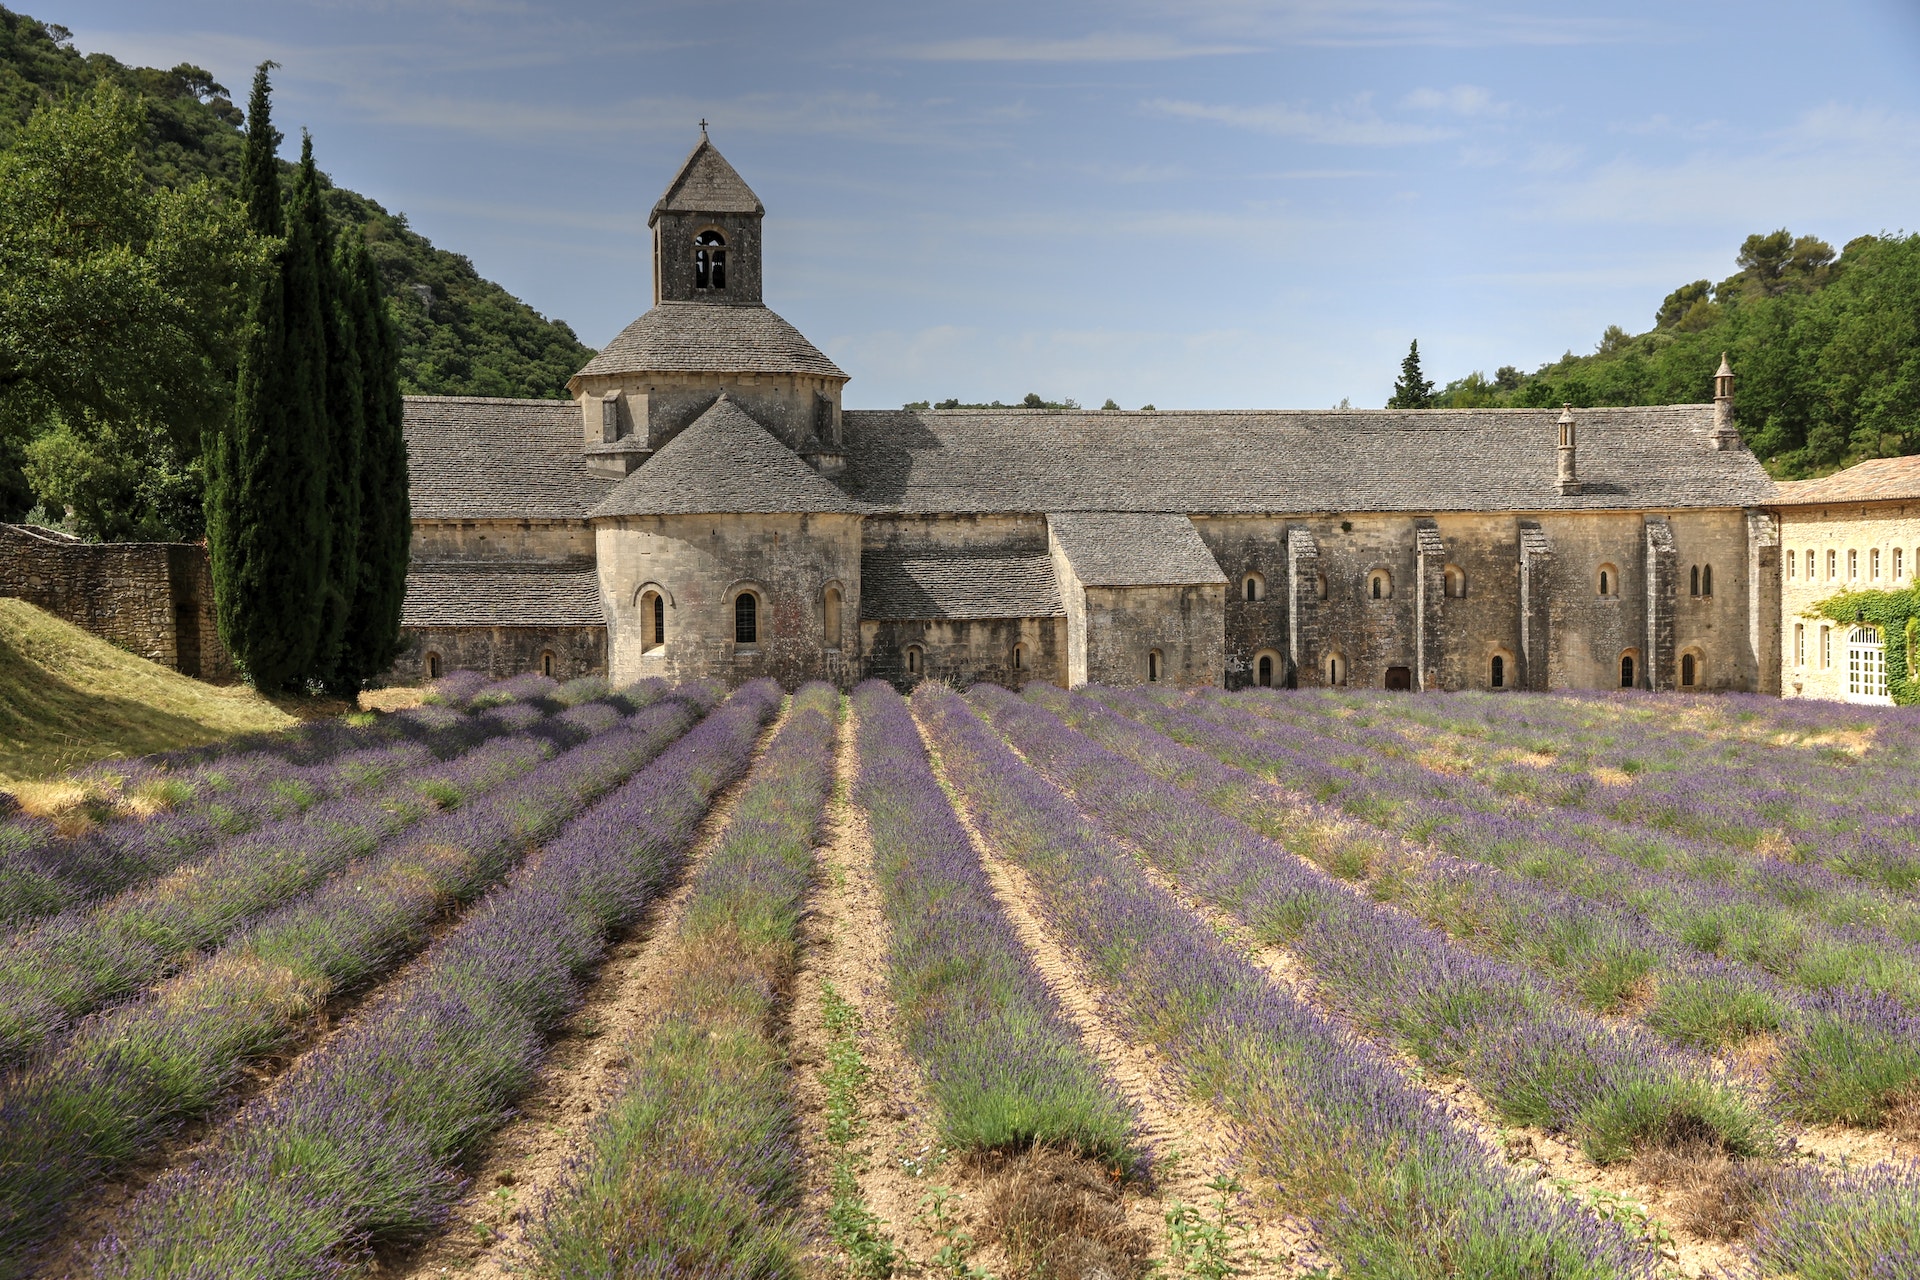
1109 46
1368 23
1461 100
1357 125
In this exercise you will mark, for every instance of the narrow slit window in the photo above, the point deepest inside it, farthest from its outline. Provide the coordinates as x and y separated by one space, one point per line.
830 620
1694 589
914 660
1706 580
1153 665
547 663
1020 657
433 666
659 619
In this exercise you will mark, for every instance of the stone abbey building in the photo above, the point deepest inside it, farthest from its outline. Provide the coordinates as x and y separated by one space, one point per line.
704 506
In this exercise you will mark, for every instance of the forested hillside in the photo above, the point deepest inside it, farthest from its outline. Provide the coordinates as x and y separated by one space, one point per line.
472 338
1825 351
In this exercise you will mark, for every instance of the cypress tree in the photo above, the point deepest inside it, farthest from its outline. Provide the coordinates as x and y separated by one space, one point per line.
386 521
267 468
345 428
1413 390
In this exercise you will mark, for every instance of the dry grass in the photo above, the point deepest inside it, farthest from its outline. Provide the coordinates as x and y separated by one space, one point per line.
1715 1196
1058 1216
68 698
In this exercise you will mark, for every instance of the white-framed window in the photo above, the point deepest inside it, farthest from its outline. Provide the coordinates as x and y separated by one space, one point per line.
1853 565
1809 564
1833 560
1866 666
1873 565
1899 565
1799 644
1793 563
1826 648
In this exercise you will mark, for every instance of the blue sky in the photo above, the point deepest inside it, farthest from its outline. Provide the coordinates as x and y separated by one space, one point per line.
1198 203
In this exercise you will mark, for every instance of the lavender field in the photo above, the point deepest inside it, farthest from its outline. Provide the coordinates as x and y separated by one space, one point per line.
566 981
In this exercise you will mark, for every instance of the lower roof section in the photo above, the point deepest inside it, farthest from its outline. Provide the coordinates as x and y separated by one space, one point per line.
1134 549
957 583
502 593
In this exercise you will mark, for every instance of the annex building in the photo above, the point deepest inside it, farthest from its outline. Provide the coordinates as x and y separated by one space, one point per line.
704 506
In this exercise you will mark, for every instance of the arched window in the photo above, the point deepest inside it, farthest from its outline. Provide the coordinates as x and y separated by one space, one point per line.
1706 579
1899 565
1799 644
1380 584
1866 666
1155 664
433 666
1853 565
547 663
1020 657
1609 580
1689 670
746 618
1626 670
916 660
1453 582
653 620
1320 585
1497 672
830 615
1256 587
1826 647
1696 581
1336 669
1873 565
1832 559
709 260
1793 564
1809 564
1266 671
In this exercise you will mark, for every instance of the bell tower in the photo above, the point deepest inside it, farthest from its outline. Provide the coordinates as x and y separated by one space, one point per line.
706 233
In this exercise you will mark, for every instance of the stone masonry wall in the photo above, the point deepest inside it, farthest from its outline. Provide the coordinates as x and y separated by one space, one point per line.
154 599
499 652
967 651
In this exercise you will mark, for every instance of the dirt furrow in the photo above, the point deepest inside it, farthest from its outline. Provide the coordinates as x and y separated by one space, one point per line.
1192 1144
845 938
584 1065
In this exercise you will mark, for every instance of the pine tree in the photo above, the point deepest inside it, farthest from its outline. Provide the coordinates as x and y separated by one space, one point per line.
345 427
386 522
1412 391
267 467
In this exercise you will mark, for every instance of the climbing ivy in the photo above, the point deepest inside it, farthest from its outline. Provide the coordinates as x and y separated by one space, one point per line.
1896 614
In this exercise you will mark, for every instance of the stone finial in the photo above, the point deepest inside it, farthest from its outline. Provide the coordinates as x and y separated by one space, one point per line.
1725 437
1569 478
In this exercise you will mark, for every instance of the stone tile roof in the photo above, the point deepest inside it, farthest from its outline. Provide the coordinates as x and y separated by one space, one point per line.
1875 480
706 183
1256 462
502 593
480 458
1134 549
957 583
710 337
724 463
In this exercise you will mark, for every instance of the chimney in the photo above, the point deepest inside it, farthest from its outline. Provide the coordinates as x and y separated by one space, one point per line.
1724 436
1569 481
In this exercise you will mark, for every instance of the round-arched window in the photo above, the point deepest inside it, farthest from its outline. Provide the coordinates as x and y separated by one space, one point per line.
710 260
433 666
1155 665
916 660
1627 672
1020 657
1336 669
1689 670
746 618
1264 671
1256 587
1379 584
547 663
1453 581
830 617
653 619
1609 582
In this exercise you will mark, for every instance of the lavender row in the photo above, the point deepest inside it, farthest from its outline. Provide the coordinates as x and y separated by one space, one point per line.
128 1074
1843 1056
694 1164
45 867
83 959
1003 1064
1535 1061
361 1142
1392 1184
1756 799
1714 919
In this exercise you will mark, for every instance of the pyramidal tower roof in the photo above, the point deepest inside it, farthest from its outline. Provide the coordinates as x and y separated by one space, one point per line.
724 463
706 183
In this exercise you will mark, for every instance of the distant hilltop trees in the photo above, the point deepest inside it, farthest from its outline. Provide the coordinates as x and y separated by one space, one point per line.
1826 347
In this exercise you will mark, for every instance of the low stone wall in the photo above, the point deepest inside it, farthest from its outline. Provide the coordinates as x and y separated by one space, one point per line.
499 652
150 598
